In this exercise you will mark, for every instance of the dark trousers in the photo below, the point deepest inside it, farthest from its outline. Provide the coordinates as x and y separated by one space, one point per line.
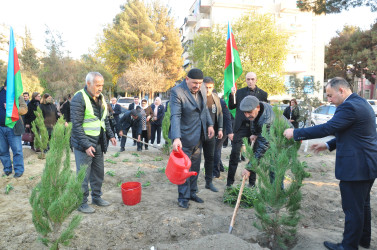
235 155
356 207
217 156
144 136
155 128
124 139
94 173
190 187
134 133
209 152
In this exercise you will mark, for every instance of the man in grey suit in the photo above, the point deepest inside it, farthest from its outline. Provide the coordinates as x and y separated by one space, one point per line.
189 123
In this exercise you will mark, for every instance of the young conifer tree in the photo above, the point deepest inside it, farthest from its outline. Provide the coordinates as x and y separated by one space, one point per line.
277 208
59 192
165 131
40 133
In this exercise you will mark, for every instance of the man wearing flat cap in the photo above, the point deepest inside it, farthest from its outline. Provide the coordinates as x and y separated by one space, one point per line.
190 125
258 114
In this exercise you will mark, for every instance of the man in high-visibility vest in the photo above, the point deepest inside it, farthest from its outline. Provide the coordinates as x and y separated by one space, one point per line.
90 130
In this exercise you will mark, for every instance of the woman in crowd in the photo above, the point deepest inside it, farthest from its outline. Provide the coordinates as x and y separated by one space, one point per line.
292 113
146 122
50 112
156 121
30 116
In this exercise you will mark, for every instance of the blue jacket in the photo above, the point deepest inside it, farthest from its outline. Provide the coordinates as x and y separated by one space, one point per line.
187 120
354 128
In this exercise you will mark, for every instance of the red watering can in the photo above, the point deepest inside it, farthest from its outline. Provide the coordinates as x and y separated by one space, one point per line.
178 167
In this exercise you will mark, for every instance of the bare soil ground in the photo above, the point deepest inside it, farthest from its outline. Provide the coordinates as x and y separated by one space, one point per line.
158 222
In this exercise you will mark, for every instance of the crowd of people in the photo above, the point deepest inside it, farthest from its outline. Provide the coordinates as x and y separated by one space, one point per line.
200 120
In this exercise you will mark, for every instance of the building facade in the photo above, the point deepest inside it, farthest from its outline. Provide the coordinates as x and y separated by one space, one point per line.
306 39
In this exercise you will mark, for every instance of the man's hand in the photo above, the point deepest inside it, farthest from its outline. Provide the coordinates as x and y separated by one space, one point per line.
27 126
138 138
230 136
66 124
121 133
318 147
90 151
113 141
246 173
148 118
220 134
253 138
234 90
211 132
177 143
288 133
155 118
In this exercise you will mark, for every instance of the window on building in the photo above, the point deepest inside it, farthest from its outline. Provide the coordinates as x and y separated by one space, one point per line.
367 94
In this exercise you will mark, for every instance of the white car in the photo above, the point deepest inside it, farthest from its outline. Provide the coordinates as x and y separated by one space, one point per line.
373 103
322 114
125 101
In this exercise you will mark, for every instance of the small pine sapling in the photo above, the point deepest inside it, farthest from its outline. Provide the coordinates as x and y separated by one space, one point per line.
165 131
277 207
40 133
58 193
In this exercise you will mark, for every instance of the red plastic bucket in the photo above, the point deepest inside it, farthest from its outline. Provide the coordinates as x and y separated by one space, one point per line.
131 193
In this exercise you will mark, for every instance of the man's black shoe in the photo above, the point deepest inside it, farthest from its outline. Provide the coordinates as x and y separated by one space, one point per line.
221 167
17 175
196 199
139 149
121 149
224 146
211 187
183 204
216 175
7 173
367 246
333 246
146 148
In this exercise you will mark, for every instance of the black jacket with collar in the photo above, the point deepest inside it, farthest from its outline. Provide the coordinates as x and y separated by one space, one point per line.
79 139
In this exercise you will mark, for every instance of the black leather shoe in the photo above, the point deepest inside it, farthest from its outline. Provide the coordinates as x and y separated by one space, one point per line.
211 187
196 199
7 173
17 175
333 246
216 175
139 149
100 202
121 149
367 246
183 204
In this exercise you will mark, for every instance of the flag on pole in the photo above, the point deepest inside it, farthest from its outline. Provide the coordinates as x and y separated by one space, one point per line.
14 84
233 67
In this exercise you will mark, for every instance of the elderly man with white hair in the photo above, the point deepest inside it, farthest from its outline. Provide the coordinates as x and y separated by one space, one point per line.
156 122
90 130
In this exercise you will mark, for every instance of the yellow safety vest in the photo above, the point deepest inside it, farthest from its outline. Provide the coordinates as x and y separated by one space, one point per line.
92 125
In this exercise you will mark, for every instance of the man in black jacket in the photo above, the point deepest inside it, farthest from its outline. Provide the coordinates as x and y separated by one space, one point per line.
241 126
117 110
132 106
130 119
90 126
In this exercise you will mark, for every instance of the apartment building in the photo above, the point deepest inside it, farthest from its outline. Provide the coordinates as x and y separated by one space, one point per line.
306 43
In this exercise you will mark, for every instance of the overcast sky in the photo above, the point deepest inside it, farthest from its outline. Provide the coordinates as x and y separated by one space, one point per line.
81 21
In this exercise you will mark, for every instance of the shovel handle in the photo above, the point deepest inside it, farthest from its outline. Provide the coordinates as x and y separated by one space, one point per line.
237 204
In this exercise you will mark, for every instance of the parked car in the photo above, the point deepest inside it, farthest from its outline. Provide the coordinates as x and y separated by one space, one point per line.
373 103
125 101
322 114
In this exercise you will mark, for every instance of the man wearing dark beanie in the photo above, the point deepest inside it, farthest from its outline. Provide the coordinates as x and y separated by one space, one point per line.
190 125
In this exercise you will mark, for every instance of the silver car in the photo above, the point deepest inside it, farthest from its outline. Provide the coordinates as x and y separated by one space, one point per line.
322 114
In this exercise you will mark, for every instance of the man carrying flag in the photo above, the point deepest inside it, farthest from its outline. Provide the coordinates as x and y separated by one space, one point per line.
12 106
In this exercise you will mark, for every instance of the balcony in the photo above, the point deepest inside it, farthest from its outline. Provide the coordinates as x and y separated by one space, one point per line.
205 6
289 6
189 36
291 28
191 20
185 55
203 24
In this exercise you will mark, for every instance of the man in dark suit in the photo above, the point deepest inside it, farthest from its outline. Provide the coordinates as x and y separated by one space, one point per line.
189 123
132 106
117 110
353 125
156 121
241 126
130 119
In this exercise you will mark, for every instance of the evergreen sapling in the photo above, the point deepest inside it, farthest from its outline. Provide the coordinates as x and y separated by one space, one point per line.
277 208
40 133
59 192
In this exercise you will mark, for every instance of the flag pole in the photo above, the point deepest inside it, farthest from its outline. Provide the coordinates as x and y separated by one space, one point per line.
231 53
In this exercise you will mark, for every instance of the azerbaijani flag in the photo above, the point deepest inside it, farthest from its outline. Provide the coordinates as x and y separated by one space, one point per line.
14 84
233 67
